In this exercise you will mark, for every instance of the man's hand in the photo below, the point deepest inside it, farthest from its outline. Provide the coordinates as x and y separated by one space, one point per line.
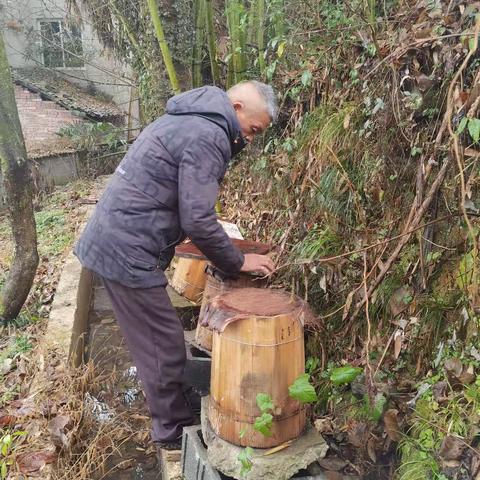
258 263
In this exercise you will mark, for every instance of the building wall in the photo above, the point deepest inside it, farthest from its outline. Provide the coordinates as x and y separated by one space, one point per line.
19 20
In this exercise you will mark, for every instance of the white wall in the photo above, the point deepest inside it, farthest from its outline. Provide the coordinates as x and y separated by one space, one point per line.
19 20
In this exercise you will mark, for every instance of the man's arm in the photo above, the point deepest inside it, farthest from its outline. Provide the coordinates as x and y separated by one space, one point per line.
198 187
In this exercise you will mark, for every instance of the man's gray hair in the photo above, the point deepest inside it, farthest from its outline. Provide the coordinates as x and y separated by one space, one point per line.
268 95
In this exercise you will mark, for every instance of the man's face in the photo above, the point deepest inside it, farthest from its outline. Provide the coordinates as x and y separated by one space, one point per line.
252 122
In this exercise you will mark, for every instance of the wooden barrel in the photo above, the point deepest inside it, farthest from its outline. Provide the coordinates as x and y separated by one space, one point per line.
189 278
216 286
259 349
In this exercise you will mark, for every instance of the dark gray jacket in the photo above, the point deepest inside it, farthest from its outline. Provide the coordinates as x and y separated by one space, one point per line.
164 190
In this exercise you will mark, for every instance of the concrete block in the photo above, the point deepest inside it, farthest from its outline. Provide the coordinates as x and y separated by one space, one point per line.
195 465
197 369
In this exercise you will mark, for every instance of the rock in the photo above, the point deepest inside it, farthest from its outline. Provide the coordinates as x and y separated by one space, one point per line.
282 465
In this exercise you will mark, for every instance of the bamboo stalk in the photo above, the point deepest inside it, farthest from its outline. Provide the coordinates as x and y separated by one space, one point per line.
252 22
127 29
197 56
232 29
212 49
261 36
167 57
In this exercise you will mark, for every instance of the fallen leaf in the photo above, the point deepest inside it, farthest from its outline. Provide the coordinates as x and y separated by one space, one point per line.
332 463
358 434
323 425
137 416
457 373
475 466
371 449
130 462
467 376
7 420
6 366
397 343
453 366
451 448
399 300
439 391
348 304
56 428
29 462
392 429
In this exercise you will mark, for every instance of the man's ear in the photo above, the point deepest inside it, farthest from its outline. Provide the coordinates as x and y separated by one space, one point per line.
237 105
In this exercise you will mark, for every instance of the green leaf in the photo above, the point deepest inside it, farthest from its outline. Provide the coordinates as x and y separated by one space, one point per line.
242 433
3 470
377 409
281 49
474 129
462 125
471 44
263 424
312 364
302 390
264 402
343 375
245 459
306 78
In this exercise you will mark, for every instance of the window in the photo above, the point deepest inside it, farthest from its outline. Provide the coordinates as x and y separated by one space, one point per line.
61 46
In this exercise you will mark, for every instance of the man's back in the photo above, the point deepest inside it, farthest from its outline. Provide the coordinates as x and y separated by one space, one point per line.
164 187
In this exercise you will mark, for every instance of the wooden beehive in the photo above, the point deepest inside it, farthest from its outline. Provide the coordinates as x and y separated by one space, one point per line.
216 286
258 347
189 278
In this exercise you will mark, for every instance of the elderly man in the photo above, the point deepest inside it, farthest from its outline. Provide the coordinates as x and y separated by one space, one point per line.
164 190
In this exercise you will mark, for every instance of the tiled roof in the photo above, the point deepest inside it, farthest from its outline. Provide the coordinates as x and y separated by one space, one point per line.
41 121
66 94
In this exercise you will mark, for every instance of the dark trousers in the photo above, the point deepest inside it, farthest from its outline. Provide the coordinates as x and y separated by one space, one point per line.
154 336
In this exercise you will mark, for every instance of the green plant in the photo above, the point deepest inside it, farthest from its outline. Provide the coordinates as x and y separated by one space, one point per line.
320 241
91 135
345 375
473 127
53 232
302 390
8 442
373 410
311 365
263 423
245 459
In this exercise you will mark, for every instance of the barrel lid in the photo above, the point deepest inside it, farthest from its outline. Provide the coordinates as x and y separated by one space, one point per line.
190 250
258 301
243 303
